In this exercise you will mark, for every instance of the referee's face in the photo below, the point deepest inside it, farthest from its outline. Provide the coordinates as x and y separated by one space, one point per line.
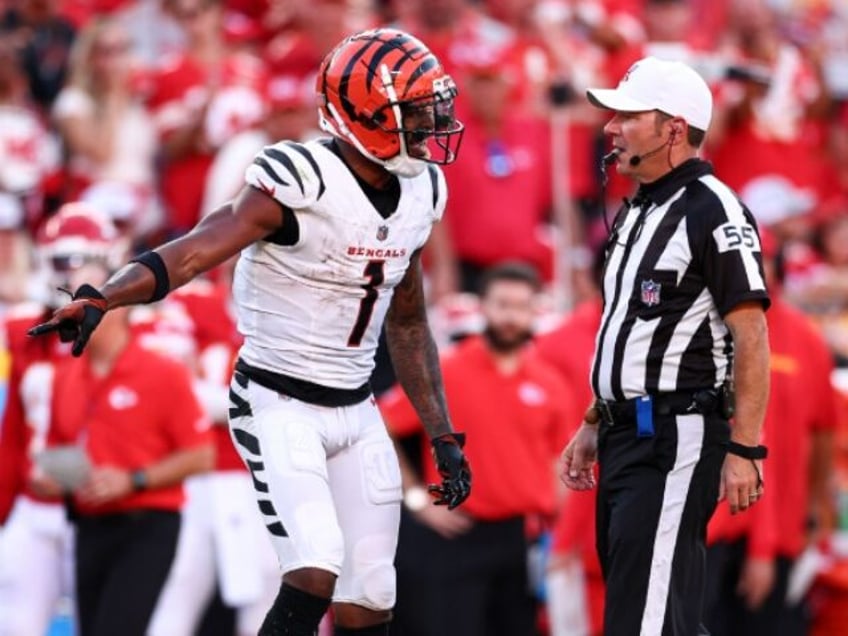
643 135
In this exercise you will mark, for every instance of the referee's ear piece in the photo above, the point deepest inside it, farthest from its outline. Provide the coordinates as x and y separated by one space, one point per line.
675 130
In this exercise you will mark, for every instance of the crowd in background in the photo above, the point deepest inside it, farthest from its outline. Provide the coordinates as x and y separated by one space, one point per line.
149 111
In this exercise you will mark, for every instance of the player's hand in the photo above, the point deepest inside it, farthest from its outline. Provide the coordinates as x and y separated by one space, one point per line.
76 321
577 463
453 467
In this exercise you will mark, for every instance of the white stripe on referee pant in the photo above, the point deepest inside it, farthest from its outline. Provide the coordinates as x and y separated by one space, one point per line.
690 435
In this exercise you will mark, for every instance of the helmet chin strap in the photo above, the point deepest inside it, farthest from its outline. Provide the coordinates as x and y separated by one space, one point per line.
405 166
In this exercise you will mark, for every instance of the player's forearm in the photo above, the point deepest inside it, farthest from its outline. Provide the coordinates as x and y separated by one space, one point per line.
751 376
416 362
183 259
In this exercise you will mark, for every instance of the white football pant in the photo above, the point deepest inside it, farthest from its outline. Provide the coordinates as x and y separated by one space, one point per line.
328 486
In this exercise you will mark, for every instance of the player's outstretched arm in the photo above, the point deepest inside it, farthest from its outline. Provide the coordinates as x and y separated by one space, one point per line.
251 216
224 233
416 362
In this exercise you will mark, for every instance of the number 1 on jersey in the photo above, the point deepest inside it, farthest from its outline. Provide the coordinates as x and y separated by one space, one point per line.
374 273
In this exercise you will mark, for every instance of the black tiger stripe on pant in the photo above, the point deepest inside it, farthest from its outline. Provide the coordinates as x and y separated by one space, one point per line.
655 497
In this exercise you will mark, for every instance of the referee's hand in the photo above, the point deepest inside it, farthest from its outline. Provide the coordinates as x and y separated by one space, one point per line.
741 482
577 463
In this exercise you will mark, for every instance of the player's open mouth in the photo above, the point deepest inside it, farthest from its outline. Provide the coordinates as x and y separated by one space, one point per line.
419 150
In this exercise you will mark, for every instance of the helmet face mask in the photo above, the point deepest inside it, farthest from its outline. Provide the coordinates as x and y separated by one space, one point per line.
386 93
429 127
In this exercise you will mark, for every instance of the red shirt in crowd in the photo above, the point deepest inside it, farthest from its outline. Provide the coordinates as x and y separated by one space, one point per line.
500 195
802 401
214 328
140 413
26 418
195 321
516 426
183 91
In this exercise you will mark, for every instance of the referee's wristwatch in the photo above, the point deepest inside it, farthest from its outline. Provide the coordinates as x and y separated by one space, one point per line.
748 452
416 499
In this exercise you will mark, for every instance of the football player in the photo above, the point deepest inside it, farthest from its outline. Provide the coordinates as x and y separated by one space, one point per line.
330 234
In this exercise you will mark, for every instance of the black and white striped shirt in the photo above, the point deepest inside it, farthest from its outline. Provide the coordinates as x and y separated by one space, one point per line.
683 254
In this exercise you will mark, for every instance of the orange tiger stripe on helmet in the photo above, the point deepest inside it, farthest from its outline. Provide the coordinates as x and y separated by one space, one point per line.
364 81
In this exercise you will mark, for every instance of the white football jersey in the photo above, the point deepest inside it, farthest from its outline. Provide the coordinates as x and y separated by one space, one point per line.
312 297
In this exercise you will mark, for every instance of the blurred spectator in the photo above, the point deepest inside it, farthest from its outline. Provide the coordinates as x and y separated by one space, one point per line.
611 28
821 288
500 192
36 547
751 557
575 586
45 38
28 158
671 31
591 43
199 99
290 113
152 29
466 571
309 30
827 560
108 135
771 111
134 415
457 31
839 144
81 12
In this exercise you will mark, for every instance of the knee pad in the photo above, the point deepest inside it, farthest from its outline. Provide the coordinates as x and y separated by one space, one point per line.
294 613
368 577
379 587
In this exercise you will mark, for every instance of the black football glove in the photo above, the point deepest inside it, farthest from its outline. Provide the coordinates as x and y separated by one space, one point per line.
453 467
77 320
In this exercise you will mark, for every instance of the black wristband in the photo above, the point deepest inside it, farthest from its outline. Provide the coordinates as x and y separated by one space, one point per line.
139 480
152 261
450 438
87 291
748 452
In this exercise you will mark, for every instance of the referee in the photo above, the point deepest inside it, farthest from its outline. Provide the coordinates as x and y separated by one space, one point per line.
683 324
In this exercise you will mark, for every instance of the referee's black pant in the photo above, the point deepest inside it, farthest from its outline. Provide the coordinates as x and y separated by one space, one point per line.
122 561
655 497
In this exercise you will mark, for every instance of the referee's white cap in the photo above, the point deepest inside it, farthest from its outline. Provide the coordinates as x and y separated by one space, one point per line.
668 86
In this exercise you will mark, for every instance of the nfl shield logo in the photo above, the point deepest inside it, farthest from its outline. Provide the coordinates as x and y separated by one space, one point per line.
382 232
651 293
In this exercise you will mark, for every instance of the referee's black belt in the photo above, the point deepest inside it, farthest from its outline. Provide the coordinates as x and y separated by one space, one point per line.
704 402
